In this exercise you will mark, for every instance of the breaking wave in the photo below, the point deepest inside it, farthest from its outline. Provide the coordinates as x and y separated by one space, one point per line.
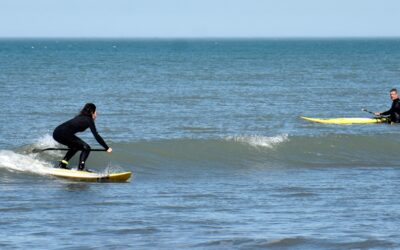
233 151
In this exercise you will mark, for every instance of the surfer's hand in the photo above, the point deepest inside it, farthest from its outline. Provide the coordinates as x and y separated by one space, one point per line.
109 150
377 113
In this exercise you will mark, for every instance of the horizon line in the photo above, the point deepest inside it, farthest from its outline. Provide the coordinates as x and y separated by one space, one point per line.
192 37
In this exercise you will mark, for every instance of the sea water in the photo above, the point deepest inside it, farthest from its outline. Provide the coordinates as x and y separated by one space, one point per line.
211 130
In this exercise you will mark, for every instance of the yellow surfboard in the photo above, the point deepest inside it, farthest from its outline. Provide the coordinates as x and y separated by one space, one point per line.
88 176
346 120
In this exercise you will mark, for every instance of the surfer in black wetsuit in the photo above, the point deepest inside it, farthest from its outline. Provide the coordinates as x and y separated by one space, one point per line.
394 111
65 134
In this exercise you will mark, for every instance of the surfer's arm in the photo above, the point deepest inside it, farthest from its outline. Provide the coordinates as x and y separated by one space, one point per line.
390 111
96 135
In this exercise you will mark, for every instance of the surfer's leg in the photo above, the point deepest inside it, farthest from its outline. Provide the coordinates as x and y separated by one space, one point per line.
84 155
64 162
75 144
71 152
67 140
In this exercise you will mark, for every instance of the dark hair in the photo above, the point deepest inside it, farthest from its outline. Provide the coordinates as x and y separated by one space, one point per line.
88 109
393 90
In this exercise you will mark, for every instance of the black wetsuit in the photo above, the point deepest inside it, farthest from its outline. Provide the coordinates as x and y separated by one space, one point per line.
394 111
65 134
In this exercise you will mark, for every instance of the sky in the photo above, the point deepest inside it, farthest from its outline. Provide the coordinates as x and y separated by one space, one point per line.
199 18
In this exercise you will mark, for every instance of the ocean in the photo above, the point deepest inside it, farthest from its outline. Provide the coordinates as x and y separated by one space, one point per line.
211 130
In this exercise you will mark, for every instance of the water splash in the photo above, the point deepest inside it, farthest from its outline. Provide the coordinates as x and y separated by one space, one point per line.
260 141
112 168
47 141
25 163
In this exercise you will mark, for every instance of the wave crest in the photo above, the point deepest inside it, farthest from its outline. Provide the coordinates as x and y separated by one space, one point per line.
260 141
19 162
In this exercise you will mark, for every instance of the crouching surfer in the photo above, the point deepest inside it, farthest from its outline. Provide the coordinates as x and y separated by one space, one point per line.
65 134
394 111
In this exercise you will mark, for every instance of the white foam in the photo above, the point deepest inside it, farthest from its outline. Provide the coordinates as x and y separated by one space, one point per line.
18 162
113 168
47 141
260 141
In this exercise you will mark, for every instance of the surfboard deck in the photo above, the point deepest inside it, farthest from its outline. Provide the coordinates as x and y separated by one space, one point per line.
88 176
346 120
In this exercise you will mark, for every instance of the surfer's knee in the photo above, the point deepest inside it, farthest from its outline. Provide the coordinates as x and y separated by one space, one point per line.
86 147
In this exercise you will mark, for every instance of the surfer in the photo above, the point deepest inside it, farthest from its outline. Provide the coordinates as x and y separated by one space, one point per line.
65 134
394 111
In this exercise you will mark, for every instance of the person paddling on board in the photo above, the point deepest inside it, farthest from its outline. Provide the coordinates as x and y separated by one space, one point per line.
65 134
394 111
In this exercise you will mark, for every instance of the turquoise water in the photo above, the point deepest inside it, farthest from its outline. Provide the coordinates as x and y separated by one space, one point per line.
211 130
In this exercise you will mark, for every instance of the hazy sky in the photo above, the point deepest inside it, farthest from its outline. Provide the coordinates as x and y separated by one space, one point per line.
199 18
